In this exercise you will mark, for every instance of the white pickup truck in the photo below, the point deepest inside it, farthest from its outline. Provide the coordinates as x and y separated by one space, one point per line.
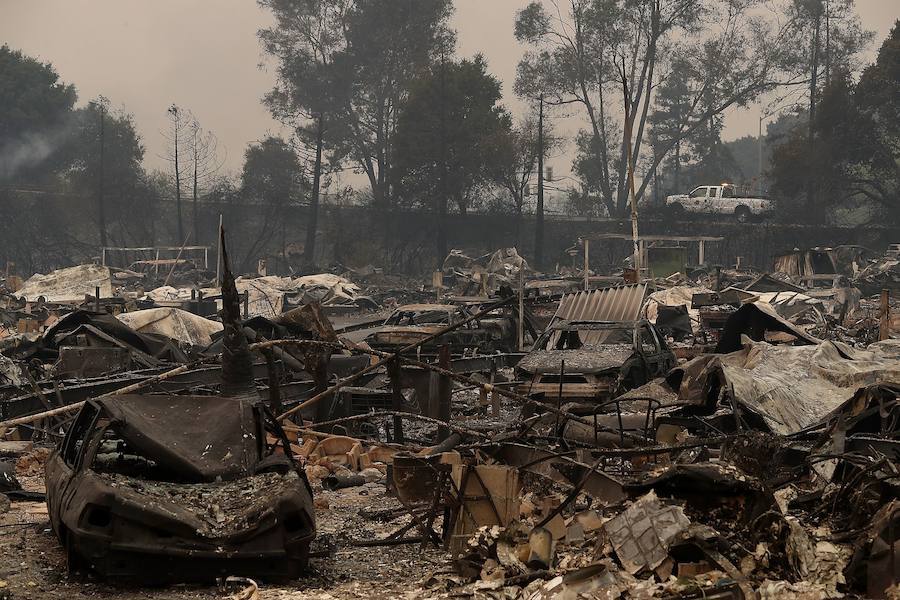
721 200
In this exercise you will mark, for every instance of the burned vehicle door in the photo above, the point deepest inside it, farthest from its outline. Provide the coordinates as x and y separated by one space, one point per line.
71 455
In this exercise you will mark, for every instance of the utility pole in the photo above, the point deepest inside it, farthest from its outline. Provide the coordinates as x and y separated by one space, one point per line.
195 151
539 211
101 208
441 248
309 250
173 110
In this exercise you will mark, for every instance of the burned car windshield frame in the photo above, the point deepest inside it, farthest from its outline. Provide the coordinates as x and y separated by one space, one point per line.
556 330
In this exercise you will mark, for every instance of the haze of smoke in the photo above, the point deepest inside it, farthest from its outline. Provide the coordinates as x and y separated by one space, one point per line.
30 150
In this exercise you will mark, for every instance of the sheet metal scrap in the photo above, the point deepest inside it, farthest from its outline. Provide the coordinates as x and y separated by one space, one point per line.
642 535
711 489
785 389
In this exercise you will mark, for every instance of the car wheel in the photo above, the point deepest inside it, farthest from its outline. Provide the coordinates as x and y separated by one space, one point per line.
676 211
743 214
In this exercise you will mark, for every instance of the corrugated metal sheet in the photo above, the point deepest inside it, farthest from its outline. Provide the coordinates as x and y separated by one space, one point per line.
620 303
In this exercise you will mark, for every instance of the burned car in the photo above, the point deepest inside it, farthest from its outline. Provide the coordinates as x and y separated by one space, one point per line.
495 332
593 360
162 489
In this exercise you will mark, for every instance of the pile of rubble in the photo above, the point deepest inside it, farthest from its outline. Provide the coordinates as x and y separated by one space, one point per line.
727 436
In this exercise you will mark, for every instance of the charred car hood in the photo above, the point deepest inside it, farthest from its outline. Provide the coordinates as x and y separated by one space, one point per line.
577 361
224 512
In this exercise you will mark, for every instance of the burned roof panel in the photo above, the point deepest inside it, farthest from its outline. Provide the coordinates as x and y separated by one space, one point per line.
620 303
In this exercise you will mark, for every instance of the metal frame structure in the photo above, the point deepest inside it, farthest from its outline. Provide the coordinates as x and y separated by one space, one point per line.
155 249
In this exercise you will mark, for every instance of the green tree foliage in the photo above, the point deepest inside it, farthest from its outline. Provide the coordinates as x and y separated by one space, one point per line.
449 134
35 110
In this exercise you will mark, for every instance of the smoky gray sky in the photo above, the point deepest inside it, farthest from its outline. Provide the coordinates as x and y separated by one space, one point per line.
204 55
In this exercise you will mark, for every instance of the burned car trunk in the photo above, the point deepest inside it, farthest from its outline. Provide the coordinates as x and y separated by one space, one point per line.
593 360
162 489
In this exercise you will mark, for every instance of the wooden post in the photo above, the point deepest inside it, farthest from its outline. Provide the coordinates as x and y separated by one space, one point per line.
437 282
587 264
642 251
702 252
884 316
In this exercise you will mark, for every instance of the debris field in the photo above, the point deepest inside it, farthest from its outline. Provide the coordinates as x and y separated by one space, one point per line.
507 434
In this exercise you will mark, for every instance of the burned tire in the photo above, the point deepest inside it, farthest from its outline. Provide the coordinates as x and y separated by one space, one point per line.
742 214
